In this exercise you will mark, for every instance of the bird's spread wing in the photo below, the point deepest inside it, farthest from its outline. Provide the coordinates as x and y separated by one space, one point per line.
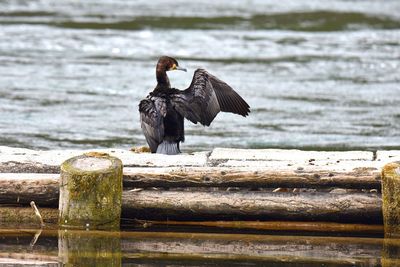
206 97
152 112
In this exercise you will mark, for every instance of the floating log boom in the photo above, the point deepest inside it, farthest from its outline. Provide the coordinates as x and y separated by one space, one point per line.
222 184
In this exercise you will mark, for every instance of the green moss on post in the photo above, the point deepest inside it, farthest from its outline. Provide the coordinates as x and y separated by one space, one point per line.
91 191
391 199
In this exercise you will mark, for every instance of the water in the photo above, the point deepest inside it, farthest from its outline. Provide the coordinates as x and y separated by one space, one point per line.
29 247
317 74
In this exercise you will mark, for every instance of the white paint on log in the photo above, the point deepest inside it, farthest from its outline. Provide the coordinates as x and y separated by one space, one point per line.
28 177
129 158
277 159
334 166
285 155
387 156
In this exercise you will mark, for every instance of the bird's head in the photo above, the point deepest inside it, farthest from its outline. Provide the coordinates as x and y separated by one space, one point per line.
168 63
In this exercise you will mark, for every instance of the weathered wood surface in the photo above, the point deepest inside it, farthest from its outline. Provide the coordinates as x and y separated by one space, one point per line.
27 259
263 167
27 216
391 199
285 226
24 215
26 160
186 205
43 188
91 191
249 177
22 188
287 154
223 168
252 205
185 199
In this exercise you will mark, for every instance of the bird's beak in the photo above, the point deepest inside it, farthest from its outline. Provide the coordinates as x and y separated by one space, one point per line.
182 69
175 67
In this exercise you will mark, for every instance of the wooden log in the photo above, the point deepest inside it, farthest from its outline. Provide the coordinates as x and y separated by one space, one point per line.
391 199
249 178
25 259
185 205
285 226
250 167
26 216
26 160
219 154
22 188
90 191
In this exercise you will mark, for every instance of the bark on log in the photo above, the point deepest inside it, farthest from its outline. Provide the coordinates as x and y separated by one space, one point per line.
222 205
252 205
26 216
249 177
22 188
90 191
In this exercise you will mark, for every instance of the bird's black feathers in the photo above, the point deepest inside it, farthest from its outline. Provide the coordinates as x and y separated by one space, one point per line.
152 122
162 112
206 97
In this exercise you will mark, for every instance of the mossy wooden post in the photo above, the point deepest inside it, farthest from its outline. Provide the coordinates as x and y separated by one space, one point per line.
391 199
91 191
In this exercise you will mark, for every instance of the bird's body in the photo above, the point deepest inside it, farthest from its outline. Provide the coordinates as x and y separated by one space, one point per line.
163 111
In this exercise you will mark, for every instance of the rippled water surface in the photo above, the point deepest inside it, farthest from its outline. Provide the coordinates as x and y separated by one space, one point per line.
317 74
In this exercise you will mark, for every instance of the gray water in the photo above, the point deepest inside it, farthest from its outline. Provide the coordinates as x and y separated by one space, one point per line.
317 74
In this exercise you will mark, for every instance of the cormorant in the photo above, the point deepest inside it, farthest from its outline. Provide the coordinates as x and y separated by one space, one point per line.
163 110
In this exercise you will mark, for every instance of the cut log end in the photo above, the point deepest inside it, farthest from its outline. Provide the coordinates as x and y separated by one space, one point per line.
90 191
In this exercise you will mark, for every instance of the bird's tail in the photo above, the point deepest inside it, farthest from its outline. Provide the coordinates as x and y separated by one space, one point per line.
168 148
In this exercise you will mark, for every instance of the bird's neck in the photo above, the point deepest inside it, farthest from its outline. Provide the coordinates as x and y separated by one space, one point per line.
162 77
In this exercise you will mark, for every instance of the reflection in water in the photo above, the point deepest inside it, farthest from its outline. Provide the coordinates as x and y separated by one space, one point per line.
391 252
101 248
84 248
